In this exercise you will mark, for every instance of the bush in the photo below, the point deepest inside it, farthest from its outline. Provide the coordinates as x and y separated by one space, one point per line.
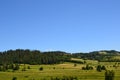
87 67
75 65
41 68
53 67
28 67
109 75
99 68
103 68
14 78
83 68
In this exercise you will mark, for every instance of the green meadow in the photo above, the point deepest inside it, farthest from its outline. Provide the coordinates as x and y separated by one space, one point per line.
60 70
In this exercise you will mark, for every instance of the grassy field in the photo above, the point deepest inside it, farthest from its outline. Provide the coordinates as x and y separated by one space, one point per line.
59 70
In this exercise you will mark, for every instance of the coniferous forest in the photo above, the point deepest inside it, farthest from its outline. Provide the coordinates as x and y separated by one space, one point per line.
21 56
27 56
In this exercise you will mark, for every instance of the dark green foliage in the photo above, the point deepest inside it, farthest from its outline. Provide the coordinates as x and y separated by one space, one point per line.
11 66
100 68
88 67
41 68
75 65
103 68
14 78
83 68
26 76
0 68
21 56
53 67
16 67
28 67
109 75
116 65
5 67
104 55
84 62
64 78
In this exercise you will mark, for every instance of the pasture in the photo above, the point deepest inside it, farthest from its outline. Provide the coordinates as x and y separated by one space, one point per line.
60 70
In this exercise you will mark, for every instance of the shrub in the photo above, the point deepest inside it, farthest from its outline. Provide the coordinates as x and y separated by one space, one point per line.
14 78
103 68
16 67
87 67
83 68
41 68
109 75
28 67
75 65
53 67
99 68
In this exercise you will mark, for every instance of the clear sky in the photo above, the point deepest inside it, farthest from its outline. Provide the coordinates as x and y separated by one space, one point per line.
65 25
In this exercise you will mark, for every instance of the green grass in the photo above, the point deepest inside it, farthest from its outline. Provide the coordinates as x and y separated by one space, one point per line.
59 70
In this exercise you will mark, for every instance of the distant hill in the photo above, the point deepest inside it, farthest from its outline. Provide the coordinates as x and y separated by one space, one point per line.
103 55
21 56
27 56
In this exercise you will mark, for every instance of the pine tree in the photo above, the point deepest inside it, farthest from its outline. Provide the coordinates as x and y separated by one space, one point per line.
109 75
99 68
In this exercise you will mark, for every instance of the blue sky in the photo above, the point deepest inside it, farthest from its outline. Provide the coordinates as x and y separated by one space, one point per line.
66 25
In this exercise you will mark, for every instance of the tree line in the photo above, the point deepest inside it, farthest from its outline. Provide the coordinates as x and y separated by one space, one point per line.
21 56
101 56
26 56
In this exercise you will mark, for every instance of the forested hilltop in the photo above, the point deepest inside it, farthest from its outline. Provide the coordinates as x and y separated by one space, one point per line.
27 56
103 56
21 56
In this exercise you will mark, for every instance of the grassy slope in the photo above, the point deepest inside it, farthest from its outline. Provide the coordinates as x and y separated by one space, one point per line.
66 69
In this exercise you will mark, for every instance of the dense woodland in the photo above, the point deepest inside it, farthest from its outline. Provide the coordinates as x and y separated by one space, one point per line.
21 56
27 56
